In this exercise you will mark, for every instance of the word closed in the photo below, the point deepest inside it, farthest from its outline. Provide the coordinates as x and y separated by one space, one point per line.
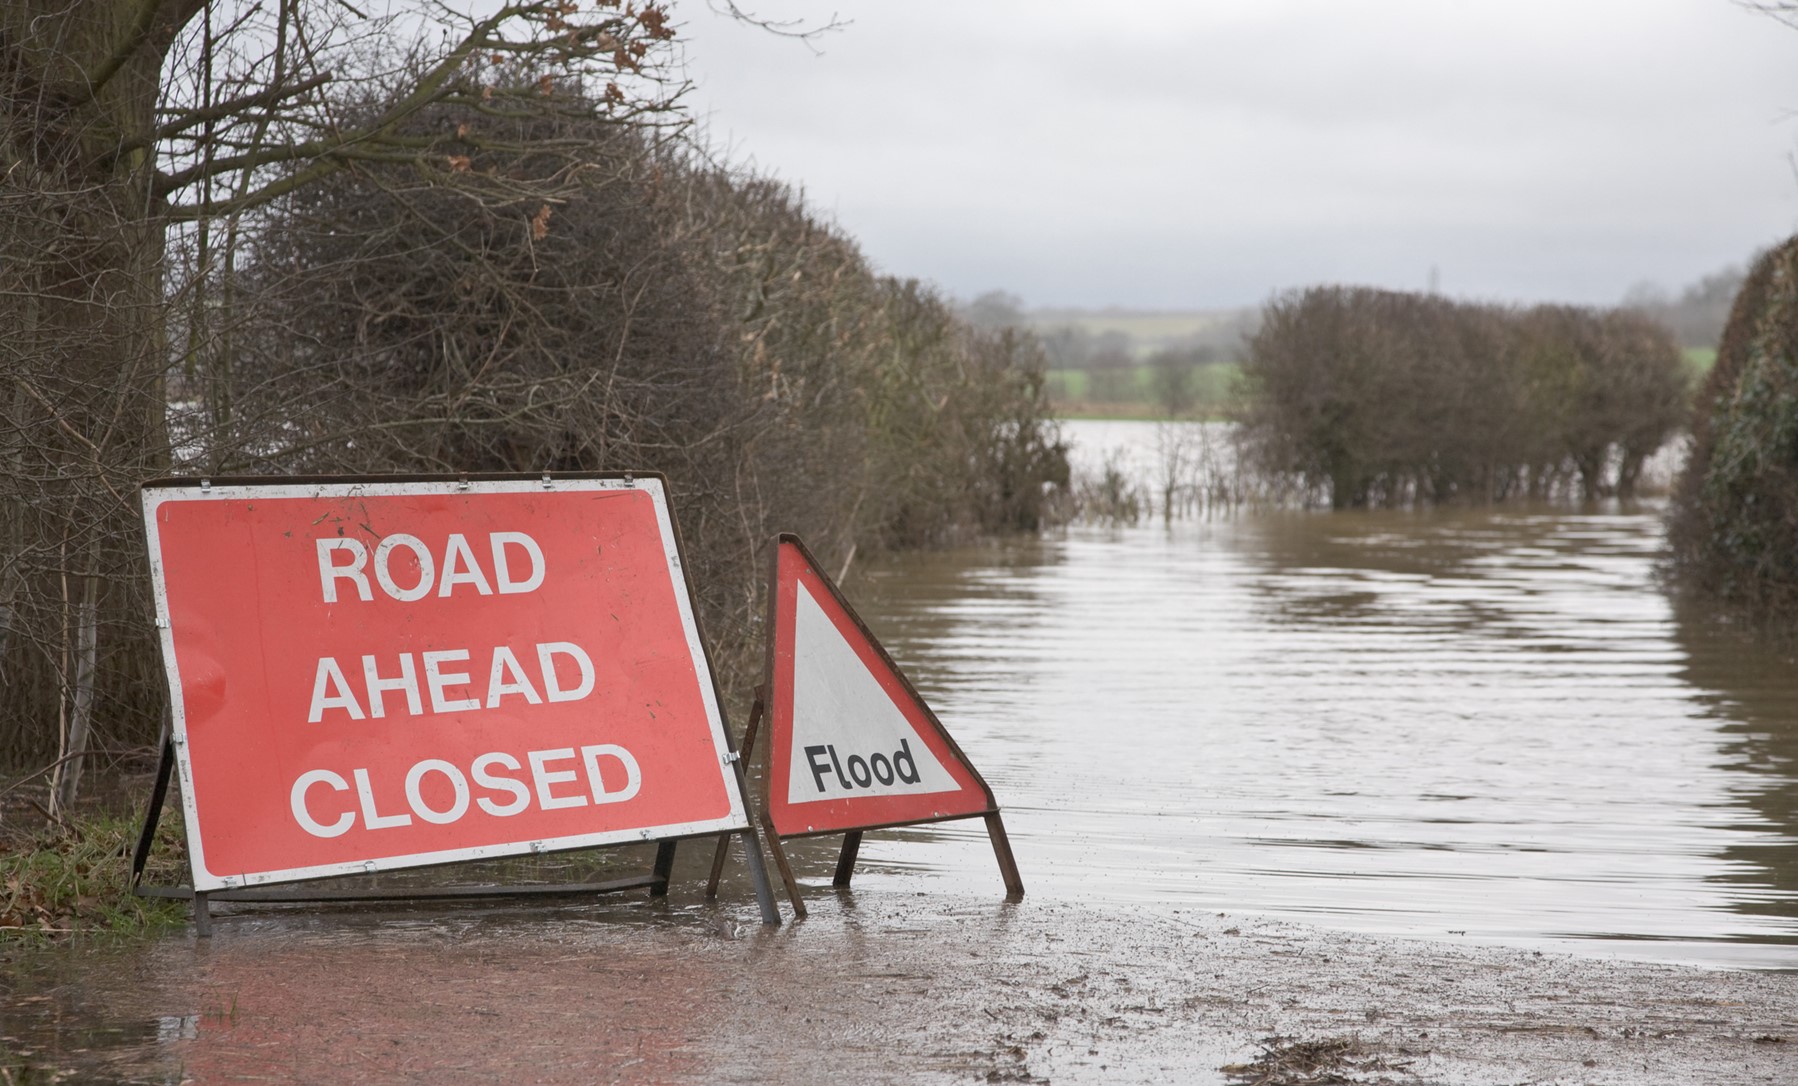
502 794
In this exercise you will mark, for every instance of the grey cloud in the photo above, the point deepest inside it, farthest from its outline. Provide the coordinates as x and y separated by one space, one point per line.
1202 154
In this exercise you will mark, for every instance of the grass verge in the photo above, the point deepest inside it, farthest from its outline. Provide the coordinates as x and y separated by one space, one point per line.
75 879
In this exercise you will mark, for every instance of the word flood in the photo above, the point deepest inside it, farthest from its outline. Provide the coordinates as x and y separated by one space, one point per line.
858 772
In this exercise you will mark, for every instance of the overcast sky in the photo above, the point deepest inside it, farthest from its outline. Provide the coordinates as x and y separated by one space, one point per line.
1206 153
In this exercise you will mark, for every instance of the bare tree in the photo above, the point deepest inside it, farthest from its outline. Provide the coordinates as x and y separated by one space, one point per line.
1173 377
128 124
994 310
280 235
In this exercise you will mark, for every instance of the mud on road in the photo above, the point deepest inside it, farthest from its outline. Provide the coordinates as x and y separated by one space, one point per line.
874 987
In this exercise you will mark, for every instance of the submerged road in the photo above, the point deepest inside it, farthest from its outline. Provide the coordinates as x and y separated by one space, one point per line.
875 987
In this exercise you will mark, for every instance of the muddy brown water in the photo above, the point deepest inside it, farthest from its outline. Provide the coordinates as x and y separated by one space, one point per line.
1436 780
1481 725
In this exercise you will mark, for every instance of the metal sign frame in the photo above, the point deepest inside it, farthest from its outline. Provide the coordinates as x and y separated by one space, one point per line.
852 837
739 819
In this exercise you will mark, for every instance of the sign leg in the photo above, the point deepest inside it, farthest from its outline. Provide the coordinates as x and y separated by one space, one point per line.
786 869
153 814
718 857
723 849
852 844
663 870
202 915
752 844
758 876
1008 867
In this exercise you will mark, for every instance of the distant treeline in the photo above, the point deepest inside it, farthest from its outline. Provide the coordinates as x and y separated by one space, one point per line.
1697 314
1170 363
1734 523
1384 398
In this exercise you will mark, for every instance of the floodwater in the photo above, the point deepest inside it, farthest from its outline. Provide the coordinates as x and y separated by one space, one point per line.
1448 745
1489 725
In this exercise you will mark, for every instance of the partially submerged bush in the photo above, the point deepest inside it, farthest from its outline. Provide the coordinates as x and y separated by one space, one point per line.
1109 496
1390 399
657 313
669 315
1734 522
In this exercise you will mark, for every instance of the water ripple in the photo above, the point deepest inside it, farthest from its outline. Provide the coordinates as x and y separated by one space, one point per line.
1485 723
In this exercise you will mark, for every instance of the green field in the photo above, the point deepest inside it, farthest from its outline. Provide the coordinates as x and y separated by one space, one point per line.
1149 330
1136 324
1131 393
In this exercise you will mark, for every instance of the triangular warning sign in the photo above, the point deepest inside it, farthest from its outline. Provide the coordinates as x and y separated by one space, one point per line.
853 746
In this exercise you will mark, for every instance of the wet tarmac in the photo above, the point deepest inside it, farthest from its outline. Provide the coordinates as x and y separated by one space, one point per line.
876 986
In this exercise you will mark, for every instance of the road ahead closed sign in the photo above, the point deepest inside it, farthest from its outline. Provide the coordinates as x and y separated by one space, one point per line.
382 674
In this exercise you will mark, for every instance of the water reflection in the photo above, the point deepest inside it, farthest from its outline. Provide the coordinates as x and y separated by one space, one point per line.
1746 687
1480 724
615 993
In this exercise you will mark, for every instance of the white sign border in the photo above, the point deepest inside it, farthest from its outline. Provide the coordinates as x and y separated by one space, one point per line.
159 492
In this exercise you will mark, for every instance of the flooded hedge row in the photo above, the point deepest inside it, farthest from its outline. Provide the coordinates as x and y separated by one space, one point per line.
1734 524
666 313
1383 398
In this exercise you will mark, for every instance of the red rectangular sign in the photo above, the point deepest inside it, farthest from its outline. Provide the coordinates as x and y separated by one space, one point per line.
380 674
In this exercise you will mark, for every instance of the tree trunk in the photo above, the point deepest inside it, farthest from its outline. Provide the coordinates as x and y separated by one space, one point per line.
67 781
81 244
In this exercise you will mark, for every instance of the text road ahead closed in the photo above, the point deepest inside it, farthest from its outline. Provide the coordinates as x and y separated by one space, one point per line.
384 674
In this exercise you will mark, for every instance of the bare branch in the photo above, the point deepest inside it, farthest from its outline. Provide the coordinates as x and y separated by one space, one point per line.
787 28
1785 11
263 99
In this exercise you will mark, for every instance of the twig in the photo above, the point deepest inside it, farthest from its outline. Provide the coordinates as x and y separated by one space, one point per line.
47 769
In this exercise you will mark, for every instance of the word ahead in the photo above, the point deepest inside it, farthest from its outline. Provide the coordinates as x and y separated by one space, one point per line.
331 689
382 674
